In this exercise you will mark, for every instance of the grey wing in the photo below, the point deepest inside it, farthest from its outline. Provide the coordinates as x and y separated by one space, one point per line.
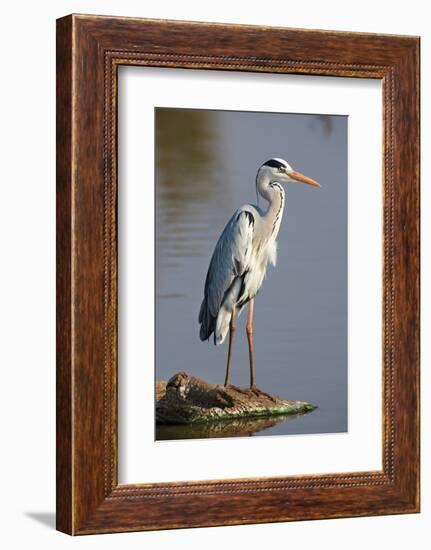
229 263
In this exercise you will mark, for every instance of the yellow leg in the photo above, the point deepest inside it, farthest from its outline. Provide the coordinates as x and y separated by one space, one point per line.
232 329
250 340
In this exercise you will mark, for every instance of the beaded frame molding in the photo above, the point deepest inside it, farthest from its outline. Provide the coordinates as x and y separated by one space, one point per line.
89 51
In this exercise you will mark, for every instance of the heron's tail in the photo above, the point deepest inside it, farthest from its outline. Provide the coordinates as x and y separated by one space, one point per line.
222 325
219 325
206 320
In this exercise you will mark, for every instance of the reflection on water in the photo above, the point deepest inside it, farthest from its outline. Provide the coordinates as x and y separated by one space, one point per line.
188 180
325 122
206 163
238 427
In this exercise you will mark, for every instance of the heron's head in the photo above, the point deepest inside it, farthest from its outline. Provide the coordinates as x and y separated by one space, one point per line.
279 170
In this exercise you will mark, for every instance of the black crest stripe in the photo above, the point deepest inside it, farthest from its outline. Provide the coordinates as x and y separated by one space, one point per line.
273 163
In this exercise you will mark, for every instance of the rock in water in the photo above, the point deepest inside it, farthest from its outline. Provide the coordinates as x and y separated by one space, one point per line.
185 399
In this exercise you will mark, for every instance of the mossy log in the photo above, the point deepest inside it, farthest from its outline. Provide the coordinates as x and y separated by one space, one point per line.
186 399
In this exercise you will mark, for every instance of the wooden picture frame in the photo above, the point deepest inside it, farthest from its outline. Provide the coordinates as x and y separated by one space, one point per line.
89 51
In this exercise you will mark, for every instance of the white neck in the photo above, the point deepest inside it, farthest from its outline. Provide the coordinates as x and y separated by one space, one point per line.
273 192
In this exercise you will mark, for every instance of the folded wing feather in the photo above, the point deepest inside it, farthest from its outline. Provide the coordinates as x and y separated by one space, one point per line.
223 285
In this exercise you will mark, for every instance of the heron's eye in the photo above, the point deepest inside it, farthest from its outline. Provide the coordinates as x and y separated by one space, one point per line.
281 169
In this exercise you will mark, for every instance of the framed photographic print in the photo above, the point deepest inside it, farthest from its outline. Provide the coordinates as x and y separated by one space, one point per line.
237 274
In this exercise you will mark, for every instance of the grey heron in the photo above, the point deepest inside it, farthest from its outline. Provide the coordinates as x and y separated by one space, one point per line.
241 256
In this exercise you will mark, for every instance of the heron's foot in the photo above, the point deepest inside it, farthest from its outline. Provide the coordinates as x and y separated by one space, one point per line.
258 391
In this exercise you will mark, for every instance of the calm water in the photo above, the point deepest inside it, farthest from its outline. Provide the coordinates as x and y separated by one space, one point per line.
206 163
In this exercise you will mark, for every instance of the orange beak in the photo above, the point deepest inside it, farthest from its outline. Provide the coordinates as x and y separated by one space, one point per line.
303 179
